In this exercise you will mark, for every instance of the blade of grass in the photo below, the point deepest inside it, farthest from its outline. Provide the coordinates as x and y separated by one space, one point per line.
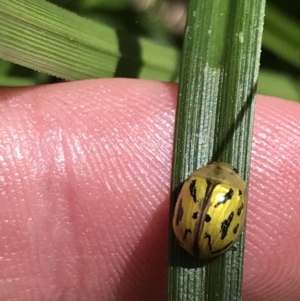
46 38
214 122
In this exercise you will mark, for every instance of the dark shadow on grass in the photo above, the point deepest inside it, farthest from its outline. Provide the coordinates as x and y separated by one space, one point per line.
235 125
130 62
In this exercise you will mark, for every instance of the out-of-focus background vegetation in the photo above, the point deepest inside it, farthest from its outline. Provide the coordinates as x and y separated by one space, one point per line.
164 21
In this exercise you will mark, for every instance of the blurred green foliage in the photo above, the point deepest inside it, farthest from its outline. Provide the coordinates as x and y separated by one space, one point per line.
280 59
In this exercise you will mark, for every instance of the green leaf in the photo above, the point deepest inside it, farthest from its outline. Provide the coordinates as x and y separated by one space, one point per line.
278 84
214 123
46 38
15 81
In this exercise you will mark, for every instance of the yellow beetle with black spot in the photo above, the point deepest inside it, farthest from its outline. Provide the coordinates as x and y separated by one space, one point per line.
210 210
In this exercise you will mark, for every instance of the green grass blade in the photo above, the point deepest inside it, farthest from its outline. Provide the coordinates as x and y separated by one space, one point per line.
46 38
214 122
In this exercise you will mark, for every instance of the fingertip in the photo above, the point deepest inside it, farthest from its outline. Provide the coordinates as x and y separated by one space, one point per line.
112 177
272 247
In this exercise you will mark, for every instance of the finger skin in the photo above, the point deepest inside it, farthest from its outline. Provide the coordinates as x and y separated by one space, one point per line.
84 183
272 260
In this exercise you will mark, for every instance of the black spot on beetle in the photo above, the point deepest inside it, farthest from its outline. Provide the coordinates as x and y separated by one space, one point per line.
236 228
193 190
186 232
208 237
240 192
240 209
225 225
195 214
226 198
207 218
179 213
235 170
